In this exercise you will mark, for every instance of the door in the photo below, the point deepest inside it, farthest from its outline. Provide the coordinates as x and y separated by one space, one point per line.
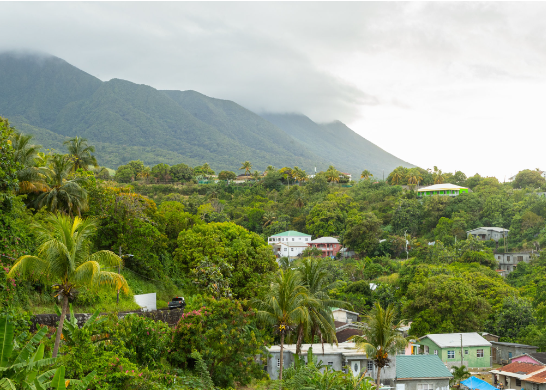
355 366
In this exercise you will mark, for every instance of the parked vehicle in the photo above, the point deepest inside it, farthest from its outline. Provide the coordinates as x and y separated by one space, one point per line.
177 303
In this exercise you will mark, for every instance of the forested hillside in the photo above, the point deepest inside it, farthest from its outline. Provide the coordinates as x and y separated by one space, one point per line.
45 96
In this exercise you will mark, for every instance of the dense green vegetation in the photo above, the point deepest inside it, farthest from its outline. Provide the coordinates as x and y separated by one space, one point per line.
206 239
53 100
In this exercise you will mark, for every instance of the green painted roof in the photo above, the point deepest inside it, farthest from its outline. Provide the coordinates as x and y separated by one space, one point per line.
291 233
420 366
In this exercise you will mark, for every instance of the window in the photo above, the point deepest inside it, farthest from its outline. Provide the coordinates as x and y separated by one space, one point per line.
436 352
520 258
278 362
498 257
285 249
535 386
426 350
507 258
292 239
466 351
425 386
508 268
509 355
370 365
479 353
306 239
330 363
518 382
292 249
451 354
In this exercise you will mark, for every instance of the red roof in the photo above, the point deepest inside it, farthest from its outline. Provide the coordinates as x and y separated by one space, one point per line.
538 378
521 368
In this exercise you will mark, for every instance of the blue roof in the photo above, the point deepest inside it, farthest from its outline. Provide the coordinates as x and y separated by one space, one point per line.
420 366
477 383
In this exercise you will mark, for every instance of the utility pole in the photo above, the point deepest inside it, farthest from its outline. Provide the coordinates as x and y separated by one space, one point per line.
406 242
461 349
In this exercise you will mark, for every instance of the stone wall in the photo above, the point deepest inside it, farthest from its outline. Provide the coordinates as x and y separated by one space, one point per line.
171 317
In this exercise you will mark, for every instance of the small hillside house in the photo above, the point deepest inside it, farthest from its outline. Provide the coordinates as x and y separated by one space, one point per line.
520 376
328 245
502 353
446 189
509 261
289 244
475 349
488 233
421 372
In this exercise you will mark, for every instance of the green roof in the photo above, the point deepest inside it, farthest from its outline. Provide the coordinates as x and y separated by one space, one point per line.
420 366
291 233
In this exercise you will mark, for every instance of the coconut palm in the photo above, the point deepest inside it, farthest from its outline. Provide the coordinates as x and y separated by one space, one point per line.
314 276
438 176
380 336
256 176
396 177
366 174
145 174
332 174
64 190
414 176
299 203
299 174
32 178
247 166
284 306
268 218
64 257
80 153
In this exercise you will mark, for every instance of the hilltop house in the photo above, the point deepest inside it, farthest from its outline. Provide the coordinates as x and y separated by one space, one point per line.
289 244
475 349
519 376
488 233
328 245
446 189
509 261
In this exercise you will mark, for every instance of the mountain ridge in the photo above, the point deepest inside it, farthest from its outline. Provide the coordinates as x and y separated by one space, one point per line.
48 97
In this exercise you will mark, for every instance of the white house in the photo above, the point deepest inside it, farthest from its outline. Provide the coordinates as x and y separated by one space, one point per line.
289 244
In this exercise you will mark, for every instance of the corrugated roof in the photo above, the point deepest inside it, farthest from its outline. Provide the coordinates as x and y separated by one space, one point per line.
513 344
291 233
445 340
325 240
495 229
539 377
521 368
420 366
539 356
440 187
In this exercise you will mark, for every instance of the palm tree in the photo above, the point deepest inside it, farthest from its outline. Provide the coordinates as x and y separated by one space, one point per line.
247 166
459 374
145 174
396 177
64 190
268 218
64 257
299 203
438 176
414 176
80 153
314 276
366 174
299 174
380 336
284 306
256 176
31 177
332 174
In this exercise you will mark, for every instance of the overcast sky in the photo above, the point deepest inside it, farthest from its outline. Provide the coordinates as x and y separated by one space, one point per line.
457 85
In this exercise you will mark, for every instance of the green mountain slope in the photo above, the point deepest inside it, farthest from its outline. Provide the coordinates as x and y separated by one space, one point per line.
338 143
54 100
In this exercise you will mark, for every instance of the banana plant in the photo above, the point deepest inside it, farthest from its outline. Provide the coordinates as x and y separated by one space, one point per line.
20 365
70 326
58 382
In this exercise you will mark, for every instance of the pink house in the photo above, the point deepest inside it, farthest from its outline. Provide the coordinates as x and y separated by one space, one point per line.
328 245
534 358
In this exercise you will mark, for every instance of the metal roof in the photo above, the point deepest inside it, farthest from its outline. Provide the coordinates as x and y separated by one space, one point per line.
440 187
513 344
291 233
420 366
445 340
495 229
325 240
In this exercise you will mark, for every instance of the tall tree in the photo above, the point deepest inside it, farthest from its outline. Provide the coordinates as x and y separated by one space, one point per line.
284 306
380 337
247 166
332 174
64 191
366 174
64 257
80 153
31 177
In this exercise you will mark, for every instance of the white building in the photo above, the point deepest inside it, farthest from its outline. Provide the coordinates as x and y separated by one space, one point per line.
289 244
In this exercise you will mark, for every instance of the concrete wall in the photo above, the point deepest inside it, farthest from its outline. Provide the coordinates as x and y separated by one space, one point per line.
171 317
412 384
505 352
509 261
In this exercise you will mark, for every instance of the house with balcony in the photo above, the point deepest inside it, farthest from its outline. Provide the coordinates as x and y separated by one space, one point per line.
289 244
328 245
446 189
